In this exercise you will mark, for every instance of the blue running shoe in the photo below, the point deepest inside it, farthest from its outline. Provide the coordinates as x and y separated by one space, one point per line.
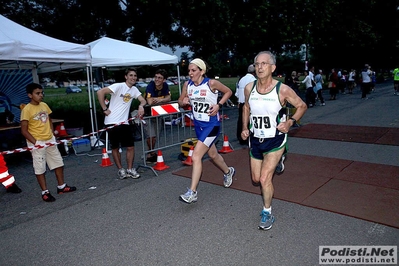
267 220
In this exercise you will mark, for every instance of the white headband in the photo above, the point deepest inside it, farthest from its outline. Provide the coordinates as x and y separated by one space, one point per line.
199 63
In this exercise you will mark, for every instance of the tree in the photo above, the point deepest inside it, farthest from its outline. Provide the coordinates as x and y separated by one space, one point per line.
336 32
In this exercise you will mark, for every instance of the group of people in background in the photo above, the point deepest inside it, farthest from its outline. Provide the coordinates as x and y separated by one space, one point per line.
337 82
342 81
263 126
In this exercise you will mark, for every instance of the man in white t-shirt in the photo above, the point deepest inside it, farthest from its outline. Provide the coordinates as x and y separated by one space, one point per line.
117 113
366 81
249 77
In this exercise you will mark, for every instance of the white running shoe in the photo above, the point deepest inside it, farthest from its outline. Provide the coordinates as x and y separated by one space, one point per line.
189 197
228 178
132 173
122 173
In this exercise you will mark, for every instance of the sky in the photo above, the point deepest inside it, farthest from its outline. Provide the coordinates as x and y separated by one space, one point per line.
167 50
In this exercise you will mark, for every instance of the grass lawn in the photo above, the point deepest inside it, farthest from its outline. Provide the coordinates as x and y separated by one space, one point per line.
74 108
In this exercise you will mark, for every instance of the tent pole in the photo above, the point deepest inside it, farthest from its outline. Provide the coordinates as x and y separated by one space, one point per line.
94 106
178 78
35 75
88 70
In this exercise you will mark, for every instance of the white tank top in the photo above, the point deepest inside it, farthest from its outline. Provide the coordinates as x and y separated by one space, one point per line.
266 112
201 99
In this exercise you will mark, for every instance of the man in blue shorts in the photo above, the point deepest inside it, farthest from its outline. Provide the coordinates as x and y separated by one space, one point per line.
265 98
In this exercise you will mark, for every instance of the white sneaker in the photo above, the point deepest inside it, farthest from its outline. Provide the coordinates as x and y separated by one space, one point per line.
189 197
228 178
132 173
122 173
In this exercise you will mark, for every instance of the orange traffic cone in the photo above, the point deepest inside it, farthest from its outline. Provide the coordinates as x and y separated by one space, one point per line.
160 163
106 161
226 145
62 132
57 131
188 160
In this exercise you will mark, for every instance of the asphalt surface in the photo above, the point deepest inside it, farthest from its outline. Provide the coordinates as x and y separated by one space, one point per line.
108 221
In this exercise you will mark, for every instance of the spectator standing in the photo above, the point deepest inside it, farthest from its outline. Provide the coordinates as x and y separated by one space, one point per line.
332 84
6 179
121 135
343 81
157 92
351 81
373 79
396 81
310 96
268 127
293 81
311 75
319 87
249 77
37 128
202 93
366 81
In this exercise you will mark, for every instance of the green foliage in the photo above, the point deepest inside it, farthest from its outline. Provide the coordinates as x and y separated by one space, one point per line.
337 32
75 108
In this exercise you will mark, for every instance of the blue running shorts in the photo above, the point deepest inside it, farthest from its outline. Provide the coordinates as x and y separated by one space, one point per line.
207 135
259 147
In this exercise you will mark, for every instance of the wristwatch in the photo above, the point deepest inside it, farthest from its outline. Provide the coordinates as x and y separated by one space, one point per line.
105 109
293 119
220 105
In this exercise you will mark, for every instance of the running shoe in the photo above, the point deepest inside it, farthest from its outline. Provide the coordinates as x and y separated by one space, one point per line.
66 189
228 178
266 221
280 166
189 197
132 173
48 197
122 173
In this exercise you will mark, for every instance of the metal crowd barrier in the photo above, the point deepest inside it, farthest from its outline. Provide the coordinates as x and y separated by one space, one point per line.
172 129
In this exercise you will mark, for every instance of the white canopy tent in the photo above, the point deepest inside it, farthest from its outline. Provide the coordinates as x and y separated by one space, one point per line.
23 48
115 54
107 52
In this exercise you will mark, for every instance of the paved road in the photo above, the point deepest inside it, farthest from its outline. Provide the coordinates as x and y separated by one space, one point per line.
141 222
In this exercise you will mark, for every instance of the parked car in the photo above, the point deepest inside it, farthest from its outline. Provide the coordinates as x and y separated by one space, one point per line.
170 83
73 89
175 81
141 84
95 87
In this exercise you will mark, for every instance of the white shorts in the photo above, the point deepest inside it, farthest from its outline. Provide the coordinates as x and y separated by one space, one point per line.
50 155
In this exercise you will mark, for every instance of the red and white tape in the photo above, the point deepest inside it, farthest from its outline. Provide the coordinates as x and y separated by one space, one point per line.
170 108
18 150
